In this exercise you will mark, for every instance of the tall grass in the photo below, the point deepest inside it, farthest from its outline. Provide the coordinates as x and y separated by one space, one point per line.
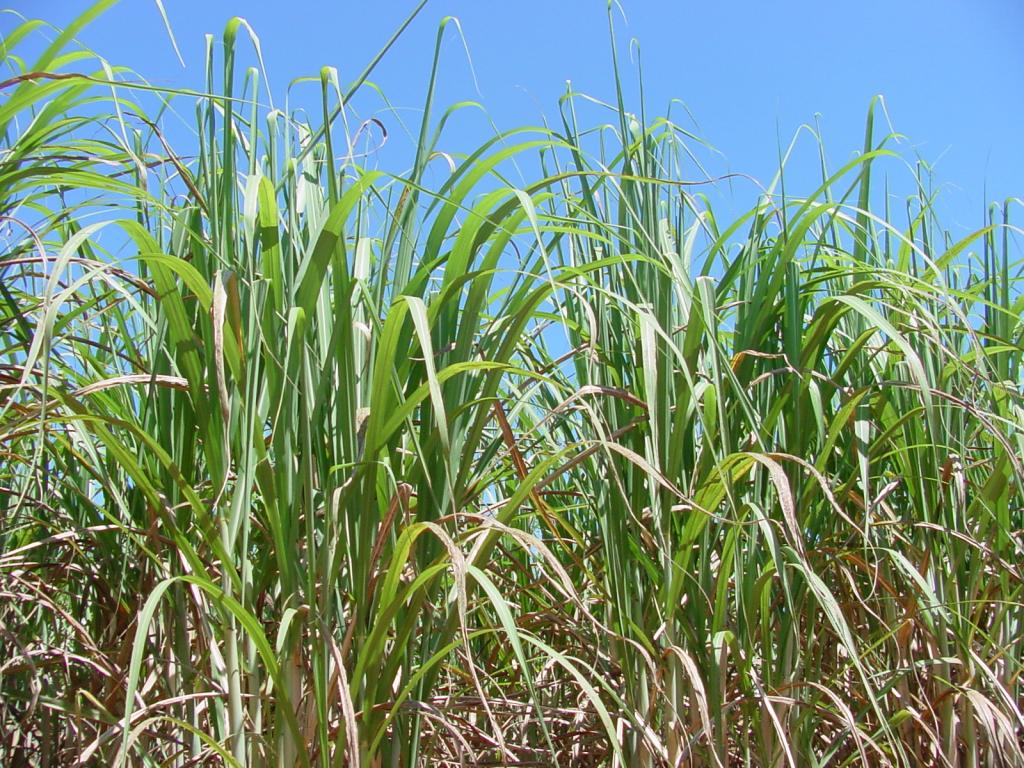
307 463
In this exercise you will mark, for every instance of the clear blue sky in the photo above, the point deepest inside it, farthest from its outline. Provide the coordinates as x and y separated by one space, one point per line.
749 72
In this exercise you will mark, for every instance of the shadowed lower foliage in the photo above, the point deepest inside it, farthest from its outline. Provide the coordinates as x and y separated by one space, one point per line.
303 462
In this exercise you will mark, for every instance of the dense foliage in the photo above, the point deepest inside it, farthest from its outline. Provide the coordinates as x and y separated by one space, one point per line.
303 462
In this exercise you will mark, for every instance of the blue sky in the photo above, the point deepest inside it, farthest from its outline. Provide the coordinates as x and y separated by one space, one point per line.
749 72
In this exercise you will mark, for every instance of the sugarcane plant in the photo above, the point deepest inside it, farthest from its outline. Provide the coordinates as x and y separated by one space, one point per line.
306 461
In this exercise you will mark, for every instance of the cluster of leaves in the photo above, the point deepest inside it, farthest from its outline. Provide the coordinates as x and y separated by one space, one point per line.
305 463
